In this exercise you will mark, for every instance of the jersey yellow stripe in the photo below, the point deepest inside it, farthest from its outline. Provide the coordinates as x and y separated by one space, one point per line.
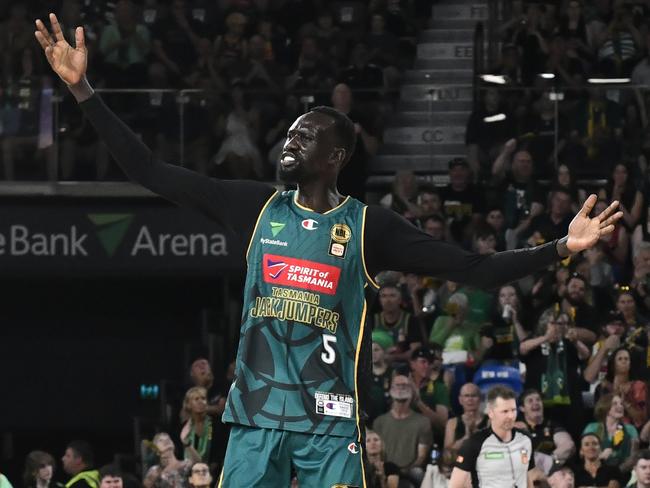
219 485
295 200
363 249
362 325
363 467
257 222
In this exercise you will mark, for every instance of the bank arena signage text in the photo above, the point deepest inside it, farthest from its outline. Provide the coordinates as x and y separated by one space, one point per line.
117 238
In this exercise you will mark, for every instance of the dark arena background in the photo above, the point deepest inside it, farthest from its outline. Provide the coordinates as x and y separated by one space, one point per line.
484 123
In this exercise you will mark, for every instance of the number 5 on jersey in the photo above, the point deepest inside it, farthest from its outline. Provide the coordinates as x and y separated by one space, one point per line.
329 355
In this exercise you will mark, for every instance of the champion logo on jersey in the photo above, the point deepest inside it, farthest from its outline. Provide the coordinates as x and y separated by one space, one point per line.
275 268
309 224
352 447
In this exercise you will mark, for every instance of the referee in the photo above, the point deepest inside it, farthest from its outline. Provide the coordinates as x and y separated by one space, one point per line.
499 456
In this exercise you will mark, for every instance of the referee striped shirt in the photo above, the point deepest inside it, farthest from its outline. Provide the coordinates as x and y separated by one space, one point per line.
493 463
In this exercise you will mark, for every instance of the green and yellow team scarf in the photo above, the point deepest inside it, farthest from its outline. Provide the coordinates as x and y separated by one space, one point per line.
554 388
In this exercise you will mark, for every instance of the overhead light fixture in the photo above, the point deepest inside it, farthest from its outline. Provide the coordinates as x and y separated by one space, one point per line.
608 81
547 76
497 79
494 118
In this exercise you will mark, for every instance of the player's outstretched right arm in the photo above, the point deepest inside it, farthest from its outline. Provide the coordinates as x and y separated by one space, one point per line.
215 198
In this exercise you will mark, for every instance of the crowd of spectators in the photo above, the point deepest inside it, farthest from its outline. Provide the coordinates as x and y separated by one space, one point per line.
549 52
573 340
253 66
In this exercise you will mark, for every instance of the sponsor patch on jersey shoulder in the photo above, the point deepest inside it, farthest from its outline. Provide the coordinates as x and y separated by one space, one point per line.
340 235
300 273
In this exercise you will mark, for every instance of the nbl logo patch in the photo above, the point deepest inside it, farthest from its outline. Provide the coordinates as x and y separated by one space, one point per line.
300 273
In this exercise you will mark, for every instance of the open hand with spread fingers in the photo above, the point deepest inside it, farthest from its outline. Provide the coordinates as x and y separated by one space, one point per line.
584 231
68 62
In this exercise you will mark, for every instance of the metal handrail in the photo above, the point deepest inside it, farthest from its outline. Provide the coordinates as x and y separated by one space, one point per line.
479 55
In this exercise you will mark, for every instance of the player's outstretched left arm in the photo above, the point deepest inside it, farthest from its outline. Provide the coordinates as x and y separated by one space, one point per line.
391 242
585 231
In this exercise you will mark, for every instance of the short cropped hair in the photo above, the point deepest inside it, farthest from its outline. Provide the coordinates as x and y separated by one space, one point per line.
500 391
83 450
346 136
112 470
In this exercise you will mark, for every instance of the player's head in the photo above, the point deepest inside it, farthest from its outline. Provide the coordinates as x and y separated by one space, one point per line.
642 468
319 143
501 408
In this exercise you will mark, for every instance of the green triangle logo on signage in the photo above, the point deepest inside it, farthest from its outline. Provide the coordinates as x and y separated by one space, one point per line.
276 227
111 229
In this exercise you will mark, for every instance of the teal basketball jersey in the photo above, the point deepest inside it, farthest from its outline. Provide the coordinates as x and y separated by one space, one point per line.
303 319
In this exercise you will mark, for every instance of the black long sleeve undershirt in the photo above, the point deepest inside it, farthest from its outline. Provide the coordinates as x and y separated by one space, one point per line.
391 242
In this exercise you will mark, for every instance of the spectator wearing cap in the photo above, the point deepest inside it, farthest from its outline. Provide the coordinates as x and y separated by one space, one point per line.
642 470
406 434
432 399
471 420
396 330
560 476
462 202
379 394
551 442
591 469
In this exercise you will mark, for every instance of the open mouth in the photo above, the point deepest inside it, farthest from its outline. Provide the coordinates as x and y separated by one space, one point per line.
288 160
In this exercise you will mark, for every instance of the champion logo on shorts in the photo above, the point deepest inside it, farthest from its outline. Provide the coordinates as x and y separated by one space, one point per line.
352 447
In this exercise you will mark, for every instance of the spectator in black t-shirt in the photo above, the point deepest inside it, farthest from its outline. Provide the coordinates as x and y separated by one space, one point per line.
483 138
553 224
591 471
552 361
551 441
201 375
175 40
352 179
379 396
382 473
462 202
364 77
519 193
507 328
575 304
397 331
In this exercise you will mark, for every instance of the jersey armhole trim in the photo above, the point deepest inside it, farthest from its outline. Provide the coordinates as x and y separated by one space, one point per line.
362 324
363 251
257 223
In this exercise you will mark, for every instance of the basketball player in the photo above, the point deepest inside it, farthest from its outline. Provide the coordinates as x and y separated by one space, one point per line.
304 353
